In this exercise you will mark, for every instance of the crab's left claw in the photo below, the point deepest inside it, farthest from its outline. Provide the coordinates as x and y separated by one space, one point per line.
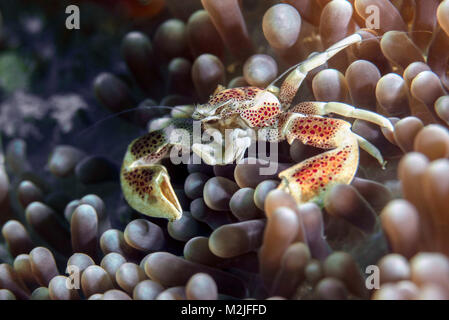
147 189
145 183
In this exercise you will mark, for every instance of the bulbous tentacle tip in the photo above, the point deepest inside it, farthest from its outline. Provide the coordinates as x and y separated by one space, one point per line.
148 190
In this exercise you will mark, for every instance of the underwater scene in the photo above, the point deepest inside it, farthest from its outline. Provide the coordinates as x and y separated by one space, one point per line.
224 150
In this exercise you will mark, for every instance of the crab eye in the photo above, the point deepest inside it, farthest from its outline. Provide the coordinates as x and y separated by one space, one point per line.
196 115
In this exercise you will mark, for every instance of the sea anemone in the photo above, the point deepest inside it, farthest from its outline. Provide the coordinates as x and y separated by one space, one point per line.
239 236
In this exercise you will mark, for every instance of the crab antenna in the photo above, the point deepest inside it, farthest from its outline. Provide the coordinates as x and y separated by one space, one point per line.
114 115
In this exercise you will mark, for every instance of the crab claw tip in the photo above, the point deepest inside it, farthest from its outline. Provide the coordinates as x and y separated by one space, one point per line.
147 189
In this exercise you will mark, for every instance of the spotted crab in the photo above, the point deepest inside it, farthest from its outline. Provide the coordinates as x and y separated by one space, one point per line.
269 112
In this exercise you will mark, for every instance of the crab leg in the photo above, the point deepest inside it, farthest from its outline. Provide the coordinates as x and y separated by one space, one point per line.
343 109
145 183
290 86
309 179
371 149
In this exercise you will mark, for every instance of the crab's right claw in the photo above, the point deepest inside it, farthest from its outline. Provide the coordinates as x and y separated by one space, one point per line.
310 179
145 183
